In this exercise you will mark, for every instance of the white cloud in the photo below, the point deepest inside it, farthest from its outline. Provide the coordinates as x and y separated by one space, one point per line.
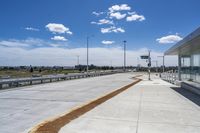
58 28
131 13
59 38
117 15
67 57
94 23
117 12
103 21
107 42
122 7
169 39
97 13
112 29
29 43
31 29
134 17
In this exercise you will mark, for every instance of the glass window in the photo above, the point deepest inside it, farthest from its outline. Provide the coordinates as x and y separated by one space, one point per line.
185 67
195 70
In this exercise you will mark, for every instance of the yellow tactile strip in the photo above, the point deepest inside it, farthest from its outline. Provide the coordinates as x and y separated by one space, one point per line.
53 125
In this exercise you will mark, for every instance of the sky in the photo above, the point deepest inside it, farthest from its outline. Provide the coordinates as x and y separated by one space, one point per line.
54 32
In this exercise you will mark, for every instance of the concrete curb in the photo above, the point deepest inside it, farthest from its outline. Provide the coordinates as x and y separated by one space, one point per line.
191 88
53 125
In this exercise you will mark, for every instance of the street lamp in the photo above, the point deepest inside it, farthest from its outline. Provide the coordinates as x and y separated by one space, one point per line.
163 66
156 64
124 55
78 60
88 51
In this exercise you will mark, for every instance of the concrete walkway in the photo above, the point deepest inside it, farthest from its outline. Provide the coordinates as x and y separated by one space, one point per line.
23 108
148 107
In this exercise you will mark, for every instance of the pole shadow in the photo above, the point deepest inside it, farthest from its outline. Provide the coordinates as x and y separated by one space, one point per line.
195 98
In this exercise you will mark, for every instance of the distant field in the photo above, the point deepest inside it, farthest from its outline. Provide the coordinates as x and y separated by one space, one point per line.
25 73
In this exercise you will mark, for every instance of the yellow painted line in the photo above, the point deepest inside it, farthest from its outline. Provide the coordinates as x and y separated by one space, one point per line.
53 125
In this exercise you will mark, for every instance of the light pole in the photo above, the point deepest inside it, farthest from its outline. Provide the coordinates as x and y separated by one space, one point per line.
124 55
163 66
87 52
78 60
156 65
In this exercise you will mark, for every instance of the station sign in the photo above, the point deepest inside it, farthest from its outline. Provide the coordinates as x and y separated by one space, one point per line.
144 57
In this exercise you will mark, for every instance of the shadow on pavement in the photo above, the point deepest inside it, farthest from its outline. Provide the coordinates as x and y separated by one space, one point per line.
188 94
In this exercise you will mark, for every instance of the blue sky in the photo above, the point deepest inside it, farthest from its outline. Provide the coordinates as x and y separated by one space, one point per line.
145 24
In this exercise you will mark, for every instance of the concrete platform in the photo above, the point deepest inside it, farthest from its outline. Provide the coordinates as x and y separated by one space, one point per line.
148 107
22 108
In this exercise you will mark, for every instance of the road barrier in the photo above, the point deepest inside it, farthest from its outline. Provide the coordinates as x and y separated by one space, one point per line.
10 83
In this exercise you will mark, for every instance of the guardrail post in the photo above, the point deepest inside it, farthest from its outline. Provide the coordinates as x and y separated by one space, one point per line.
17 84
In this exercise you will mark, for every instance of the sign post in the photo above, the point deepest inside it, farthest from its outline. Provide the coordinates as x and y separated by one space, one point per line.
149 64
148 57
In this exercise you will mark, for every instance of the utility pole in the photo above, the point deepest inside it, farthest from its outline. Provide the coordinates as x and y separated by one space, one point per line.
124 55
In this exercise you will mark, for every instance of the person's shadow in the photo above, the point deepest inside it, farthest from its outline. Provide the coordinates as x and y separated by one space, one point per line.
195 98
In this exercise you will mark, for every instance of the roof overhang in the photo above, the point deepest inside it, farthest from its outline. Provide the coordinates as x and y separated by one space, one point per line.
189 45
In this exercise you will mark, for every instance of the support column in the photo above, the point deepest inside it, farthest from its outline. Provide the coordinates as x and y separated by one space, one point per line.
179 67
191 67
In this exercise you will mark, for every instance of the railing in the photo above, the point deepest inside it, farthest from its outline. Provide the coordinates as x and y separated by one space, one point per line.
170 76
9 83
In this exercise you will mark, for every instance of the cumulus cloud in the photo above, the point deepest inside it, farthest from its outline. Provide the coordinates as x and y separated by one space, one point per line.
97 13
67 57
59 38
31 29
134 17
169 39
58 28
114 14
103 21
122 7
117 15
107 42
112 29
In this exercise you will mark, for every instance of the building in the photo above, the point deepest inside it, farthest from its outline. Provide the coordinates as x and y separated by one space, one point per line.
188 51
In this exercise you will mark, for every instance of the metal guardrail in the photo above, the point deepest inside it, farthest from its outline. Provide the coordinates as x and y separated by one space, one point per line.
170 76
10 83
